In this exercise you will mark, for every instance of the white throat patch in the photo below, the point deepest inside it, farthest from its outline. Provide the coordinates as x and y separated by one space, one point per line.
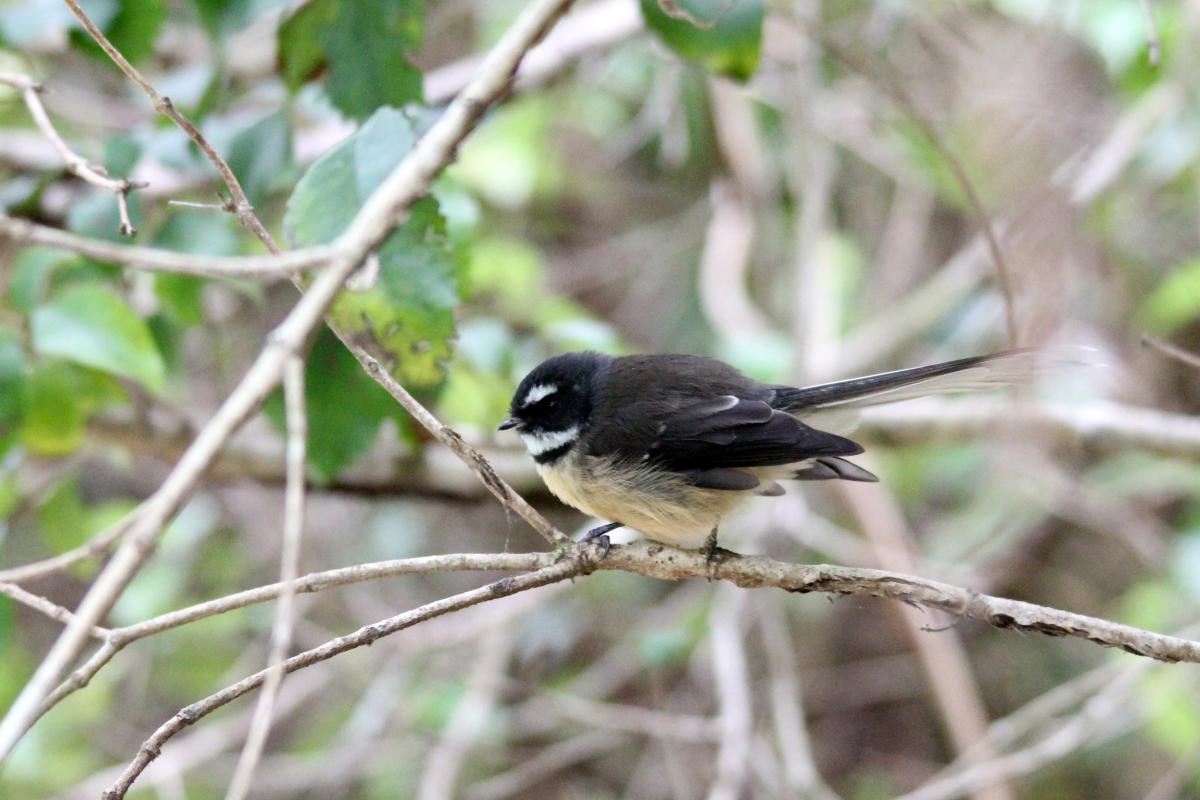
539 392
538 443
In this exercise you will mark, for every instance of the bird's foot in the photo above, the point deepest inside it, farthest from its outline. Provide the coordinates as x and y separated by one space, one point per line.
715 555
600 536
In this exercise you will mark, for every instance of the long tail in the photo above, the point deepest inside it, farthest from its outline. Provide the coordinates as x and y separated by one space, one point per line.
965 374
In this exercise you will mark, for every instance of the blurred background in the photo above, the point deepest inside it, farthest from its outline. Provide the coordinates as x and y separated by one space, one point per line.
803 189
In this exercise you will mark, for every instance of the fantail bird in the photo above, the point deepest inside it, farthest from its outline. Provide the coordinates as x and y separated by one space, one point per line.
670 444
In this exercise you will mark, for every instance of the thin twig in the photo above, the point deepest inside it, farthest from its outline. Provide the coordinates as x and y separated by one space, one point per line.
469 455
983 219
119 638
238 204
1168 349
469 720
270 266
409 181
787 705
95 547
658 561
956 693
76 164
566 568
47 607
289 568
731 675
1100 424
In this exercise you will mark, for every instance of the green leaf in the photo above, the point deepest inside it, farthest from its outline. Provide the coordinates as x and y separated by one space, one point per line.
12 365
132 31
202 233
12 368
223 17
32 271
406 320
1174 302
53 421
91 325
726 42
345 407
364 43
261 153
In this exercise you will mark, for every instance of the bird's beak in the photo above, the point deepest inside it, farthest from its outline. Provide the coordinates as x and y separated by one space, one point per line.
511 422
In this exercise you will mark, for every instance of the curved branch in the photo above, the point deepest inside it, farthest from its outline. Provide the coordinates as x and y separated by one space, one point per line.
151 258
756 572
238 204
76 164
409 181
189 715
666 563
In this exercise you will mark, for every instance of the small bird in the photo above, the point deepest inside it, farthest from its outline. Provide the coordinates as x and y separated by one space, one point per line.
669 445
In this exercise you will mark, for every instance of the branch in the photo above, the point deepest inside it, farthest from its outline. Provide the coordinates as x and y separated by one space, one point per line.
409 181
901 97
50 609
1170 350
191 714
238 204
665 563
76 164
117 639
281 631
1100 424
272 266
756 572
469 455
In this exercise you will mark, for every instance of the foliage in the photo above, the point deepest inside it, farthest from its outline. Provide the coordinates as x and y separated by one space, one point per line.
578 216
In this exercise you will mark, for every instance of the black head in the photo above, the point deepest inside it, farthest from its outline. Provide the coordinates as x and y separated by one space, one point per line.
553 404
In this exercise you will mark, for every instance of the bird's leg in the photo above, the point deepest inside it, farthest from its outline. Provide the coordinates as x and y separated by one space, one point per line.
600 533
714 554
710 547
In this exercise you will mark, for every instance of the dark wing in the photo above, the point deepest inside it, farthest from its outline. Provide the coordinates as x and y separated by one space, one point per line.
735 432
711 441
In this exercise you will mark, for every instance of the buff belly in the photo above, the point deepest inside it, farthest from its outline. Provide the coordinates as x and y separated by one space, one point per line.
654 502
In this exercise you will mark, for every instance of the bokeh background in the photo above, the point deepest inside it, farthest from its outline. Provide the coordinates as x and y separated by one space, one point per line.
798 188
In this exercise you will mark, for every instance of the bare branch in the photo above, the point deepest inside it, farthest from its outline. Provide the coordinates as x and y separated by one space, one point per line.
566 568
469 455
239 204
658 561
289 567
732 679
118 638
1168 349
95 547
50 609
272 266
406 183
1099 424
901 97
76 164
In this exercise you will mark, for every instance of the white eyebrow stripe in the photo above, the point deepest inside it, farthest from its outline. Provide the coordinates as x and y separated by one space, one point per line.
538 443
539 392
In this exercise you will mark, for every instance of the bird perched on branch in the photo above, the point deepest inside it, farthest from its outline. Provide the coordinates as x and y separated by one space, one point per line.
670 444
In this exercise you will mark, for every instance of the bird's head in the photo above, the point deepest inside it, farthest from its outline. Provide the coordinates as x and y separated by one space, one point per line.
553 404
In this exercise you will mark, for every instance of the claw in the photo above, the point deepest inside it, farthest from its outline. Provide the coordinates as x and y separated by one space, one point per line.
600 534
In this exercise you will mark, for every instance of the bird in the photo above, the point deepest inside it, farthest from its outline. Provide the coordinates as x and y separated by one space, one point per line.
670 444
